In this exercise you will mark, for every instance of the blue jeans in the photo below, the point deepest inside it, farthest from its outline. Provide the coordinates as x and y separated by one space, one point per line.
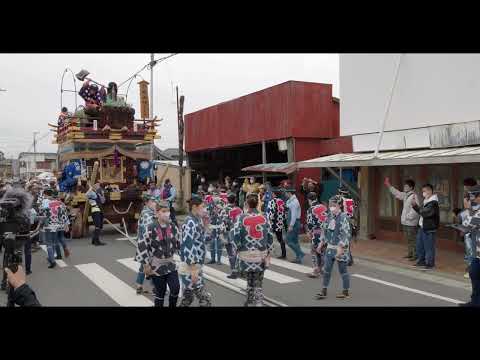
140 276
216 246
50 238
329 260
426 247
60 241
292 241
470 248
475 279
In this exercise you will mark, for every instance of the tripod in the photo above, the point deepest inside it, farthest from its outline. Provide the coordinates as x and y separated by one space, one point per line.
12 257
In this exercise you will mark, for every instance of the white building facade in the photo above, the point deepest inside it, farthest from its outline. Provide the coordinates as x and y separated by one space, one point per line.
431 133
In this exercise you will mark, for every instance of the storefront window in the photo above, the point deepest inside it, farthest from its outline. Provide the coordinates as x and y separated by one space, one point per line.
439 177
386 206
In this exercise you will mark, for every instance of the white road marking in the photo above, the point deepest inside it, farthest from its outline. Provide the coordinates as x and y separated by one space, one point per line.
126 239
219 277
269 274
435 296
133 265
60 263
119 291
130 263
291 266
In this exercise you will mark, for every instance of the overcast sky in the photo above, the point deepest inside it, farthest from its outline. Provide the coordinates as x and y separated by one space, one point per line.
33 86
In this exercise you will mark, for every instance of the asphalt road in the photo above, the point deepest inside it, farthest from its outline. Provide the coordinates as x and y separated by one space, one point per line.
105 276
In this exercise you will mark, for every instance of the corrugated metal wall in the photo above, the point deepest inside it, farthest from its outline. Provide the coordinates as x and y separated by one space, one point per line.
291 109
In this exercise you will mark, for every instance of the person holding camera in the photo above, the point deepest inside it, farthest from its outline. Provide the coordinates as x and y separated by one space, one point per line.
23 295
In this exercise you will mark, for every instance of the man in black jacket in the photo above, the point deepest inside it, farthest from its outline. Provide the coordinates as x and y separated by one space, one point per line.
429 222
23 295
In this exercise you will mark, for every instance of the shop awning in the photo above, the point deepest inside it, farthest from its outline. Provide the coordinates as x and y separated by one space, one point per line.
284 168
466 154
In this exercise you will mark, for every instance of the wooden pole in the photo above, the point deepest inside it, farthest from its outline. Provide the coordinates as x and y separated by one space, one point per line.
180 143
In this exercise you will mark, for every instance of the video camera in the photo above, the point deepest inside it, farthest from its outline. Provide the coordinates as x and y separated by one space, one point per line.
14 230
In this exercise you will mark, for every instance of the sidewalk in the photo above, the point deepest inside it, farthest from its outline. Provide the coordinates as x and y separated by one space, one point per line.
447 262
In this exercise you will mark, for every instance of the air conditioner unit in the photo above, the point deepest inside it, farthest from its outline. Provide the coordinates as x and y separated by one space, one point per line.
282 145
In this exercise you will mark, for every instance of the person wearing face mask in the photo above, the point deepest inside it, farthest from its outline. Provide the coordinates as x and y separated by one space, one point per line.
337 235
471 219
214 210
409 217
229 215
192 255
146 227
276 218
429 223
155 252
316 216
294 214
250 186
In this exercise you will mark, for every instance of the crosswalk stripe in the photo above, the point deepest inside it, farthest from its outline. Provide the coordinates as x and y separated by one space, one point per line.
291 266
130 263
269 274
435 296
116 289
134 266
60 263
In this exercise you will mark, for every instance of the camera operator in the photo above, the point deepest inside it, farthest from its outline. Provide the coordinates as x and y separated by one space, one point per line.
23 295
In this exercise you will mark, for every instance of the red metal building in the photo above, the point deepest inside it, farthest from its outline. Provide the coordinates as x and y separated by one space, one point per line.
223 139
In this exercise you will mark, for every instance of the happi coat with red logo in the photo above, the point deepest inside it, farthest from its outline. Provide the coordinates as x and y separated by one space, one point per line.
276 215
253 239
229 215
56 216
316 218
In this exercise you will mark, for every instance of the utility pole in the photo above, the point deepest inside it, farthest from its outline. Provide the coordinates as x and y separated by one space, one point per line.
35 152
152 64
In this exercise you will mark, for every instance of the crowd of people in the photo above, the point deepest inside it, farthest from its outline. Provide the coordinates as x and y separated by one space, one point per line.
243 220
420 219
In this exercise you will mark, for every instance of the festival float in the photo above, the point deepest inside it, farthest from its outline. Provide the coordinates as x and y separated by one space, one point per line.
102 142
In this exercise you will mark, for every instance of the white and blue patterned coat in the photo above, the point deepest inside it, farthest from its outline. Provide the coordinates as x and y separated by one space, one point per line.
229 215
338 232
472 239
276 214
316 217
155 245
252 233
192 247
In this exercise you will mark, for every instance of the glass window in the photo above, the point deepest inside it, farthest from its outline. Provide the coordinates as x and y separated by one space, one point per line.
386 207
439 177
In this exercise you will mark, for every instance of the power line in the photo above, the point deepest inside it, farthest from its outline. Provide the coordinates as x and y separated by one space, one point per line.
154 62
